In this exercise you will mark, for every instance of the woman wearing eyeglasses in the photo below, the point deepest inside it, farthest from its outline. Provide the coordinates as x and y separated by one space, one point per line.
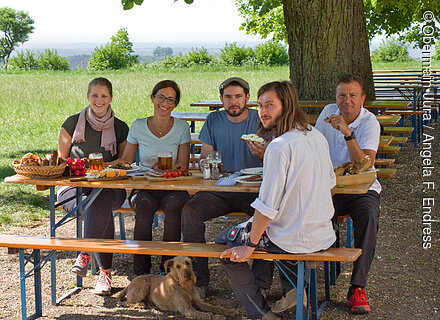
158 133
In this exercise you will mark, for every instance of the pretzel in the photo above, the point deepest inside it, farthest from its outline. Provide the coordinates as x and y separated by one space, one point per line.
31 159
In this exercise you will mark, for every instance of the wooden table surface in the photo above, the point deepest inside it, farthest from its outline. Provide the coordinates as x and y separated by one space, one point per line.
385 141
191 184
310 104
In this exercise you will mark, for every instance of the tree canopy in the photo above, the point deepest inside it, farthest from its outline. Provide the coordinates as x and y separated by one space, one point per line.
118 54
15 27
389 17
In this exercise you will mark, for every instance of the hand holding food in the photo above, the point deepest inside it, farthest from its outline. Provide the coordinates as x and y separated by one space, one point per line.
353 167
252 137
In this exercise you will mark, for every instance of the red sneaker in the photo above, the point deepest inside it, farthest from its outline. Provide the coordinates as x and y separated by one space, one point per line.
358 301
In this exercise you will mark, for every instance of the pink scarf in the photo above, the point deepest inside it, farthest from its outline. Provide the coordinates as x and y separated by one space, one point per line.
104 124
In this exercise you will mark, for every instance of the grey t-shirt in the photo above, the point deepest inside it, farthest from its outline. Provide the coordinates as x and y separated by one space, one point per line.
225 135
93 139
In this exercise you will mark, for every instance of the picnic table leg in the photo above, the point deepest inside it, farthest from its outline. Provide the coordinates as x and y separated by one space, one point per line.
313 294
53 271
37 284
300 290
79 224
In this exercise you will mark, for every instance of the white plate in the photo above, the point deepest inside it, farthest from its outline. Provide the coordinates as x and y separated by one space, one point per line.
256 170
248 183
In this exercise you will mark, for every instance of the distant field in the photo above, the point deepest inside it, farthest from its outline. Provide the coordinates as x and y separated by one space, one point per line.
34 105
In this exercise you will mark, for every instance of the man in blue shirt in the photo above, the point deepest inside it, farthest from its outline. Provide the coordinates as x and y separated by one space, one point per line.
221 132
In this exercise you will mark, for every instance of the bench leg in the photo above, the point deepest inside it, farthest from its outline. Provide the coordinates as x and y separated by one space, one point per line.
37 284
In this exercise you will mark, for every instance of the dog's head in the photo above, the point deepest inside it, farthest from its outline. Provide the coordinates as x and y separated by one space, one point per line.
181 271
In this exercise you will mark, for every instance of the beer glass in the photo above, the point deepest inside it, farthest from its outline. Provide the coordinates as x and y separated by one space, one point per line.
96 162
165 160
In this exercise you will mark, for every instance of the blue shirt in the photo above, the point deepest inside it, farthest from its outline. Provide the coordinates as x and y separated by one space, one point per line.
225 135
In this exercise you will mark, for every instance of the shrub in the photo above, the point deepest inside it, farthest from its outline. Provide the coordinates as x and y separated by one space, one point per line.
115 55
50 60
25 60
392 50
29 60
234 55
271 53
436 55
199 57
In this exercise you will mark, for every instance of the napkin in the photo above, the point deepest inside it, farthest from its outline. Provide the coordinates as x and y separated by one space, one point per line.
228 180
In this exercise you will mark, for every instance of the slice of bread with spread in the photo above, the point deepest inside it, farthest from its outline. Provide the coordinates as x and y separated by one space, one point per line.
252 137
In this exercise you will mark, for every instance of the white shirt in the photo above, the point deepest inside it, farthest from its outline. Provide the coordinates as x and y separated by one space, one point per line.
295 192
366 130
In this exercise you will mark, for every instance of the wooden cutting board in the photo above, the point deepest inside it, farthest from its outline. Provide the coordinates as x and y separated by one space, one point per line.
96 179
354 179
160 179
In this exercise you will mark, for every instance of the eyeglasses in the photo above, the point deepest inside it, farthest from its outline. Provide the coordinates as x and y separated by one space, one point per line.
160 98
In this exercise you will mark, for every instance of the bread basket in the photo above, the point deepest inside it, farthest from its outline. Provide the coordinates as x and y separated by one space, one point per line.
38 171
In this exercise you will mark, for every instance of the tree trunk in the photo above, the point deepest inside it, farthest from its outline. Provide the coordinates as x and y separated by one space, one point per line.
326 38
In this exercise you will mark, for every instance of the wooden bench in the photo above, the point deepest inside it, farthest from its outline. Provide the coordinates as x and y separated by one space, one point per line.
399 140
398 130
387 173
37 243
384 162
388 150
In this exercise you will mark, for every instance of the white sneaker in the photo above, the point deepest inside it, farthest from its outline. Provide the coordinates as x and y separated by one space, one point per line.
104 284
81 265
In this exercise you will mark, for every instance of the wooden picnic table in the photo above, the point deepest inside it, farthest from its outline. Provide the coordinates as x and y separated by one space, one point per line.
217 104
191 184
384 141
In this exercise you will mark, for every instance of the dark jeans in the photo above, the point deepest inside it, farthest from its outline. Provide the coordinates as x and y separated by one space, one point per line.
364 209
98 218
243 281
204 206
145 203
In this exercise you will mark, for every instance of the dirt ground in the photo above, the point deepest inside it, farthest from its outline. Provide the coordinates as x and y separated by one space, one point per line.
403 281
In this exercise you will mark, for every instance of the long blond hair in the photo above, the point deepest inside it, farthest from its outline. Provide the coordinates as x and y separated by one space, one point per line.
292 117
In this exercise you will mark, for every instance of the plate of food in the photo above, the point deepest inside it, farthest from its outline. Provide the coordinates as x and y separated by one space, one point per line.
250 179
121 166
256 170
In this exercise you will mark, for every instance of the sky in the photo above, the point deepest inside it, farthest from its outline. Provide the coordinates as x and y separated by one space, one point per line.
95 21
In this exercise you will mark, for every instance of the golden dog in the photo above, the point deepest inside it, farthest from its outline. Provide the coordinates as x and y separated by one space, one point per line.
173 292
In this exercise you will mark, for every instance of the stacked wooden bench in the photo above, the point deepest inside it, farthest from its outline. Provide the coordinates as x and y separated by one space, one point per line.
306 276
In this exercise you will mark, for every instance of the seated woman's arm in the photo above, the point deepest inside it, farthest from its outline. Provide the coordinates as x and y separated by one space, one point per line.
127 153
183 158
64 144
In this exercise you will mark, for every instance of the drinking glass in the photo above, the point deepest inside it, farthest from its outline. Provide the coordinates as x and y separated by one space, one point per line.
96 161
165 160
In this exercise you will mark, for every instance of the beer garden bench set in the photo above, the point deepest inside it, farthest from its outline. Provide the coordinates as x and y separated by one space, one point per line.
398 93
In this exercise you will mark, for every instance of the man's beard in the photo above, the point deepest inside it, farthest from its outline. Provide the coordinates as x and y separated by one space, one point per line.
236 114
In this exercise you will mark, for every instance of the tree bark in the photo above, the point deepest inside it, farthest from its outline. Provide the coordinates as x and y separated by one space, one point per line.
326 38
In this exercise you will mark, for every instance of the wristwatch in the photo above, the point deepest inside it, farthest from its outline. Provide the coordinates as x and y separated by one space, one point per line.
350 137
249 243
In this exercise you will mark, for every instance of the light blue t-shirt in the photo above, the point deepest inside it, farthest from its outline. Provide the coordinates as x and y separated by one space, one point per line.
149 145
225 135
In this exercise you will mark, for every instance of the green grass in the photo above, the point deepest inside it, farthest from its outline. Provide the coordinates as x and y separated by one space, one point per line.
33 106
409 65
